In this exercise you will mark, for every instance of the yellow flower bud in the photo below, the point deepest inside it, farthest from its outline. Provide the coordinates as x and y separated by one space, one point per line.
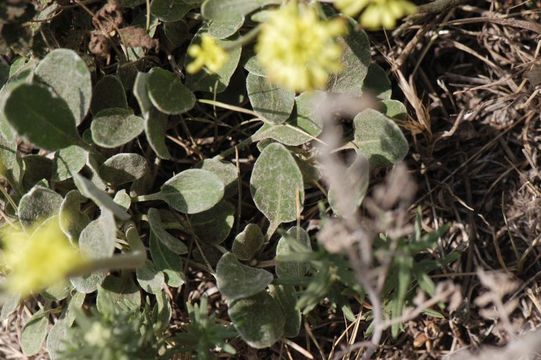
207 54
37 257
297 49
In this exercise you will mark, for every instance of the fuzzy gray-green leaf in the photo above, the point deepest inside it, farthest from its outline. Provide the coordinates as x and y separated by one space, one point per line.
67 161
168 93
38 204
123 168
157 228
379 138
193 191
114 127
34 333
268 100
37 114
67 74
100 197
108 93
276 183
248 242
215 224
237 281
258 319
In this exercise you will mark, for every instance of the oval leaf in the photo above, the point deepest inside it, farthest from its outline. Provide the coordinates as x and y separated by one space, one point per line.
276 180
258 319
123 168
35 113
108 93
33 334
38 204
167 93
67 74
214 225
237 281
114 127
248 242
193 191
268 100
157 228
379 138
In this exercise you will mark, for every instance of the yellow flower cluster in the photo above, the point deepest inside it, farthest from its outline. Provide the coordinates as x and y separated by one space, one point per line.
208 54
377 14
37 257
298 50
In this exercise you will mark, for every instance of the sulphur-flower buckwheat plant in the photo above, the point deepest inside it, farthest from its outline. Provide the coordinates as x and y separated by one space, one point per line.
208 54
37 257
297 49
377 14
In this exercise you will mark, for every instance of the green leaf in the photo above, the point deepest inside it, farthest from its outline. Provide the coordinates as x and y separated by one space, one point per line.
155 130
115 292
38 204
171 10
9 305
291 268
248 242
258 319
221 10
276 183
214 225
355 60
377 83
10 162
268 100
254 67
114 127
72 220
123 168
108 93
56 338
157 228
34 333
218 81
226 171
192 191
67 74
395 109
149 278
98 238
224 28
302 127
140 91
237 281
21 77
97 241
167 262
35 113
100 197
167 92
286 296
379 138
67 161
123 199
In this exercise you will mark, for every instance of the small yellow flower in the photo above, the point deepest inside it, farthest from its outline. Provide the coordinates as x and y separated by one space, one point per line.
37 257
377 14
208 54
297 49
